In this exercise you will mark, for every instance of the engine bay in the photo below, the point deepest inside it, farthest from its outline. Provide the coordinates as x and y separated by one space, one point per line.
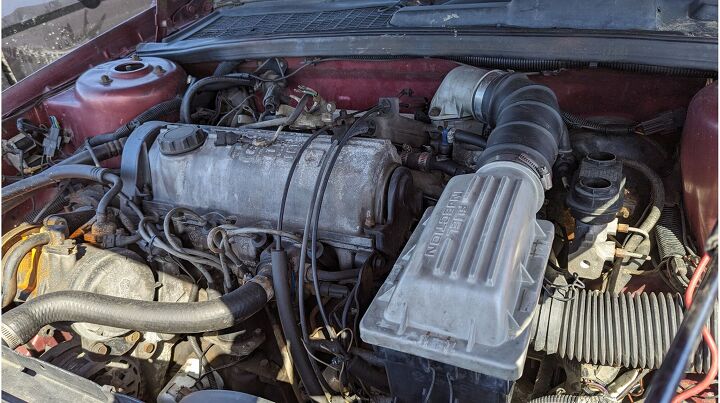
335 229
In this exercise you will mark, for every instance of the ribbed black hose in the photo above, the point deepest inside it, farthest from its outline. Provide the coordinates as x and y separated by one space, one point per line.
576 122
513 63
210 83
668 233
518 64
573 399
632 331
668 237
289 324
666 379
22 323
11 262
528 127
51 207
155 112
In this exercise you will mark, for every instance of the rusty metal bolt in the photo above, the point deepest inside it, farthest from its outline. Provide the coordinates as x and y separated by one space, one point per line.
159 70
57 228
148 348
105 79
132 337
99 348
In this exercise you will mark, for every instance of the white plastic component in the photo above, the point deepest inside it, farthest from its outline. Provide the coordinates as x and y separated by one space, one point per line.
464 288
185 381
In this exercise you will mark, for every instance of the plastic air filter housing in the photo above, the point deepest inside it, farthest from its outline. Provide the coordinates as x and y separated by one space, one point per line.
464 288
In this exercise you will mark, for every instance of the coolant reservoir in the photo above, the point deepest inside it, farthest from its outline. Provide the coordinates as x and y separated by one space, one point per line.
699 163
111 94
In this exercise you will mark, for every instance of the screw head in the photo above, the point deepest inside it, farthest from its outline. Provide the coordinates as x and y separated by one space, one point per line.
148 348
105 79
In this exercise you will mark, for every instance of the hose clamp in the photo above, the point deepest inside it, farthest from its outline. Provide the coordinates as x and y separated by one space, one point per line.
9 336
265 283
542 171
481 89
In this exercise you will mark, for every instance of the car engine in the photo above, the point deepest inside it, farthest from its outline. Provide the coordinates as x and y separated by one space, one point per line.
291 230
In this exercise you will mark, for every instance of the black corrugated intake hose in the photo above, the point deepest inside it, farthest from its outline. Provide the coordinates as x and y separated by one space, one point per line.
11 263
632 331
213 83
23 322
526 121
289 324
155 112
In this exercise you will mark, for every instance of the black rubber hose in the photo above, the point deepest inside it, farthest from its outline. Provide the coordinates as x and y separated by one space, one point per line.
226 67
373 376
15 193
526 121
287 320
628 330
115 188
102 152
210 83
22 323
11 263
657 203
324 275
155 112
462 136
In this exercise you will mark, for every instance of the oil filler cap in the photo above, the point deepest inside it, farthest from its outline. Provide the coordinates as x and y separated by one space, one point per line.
181 139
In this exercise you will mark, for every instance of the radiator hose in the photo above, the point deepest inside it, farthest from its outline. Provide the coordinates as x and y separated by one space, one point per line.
628 330
11 262
23 322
